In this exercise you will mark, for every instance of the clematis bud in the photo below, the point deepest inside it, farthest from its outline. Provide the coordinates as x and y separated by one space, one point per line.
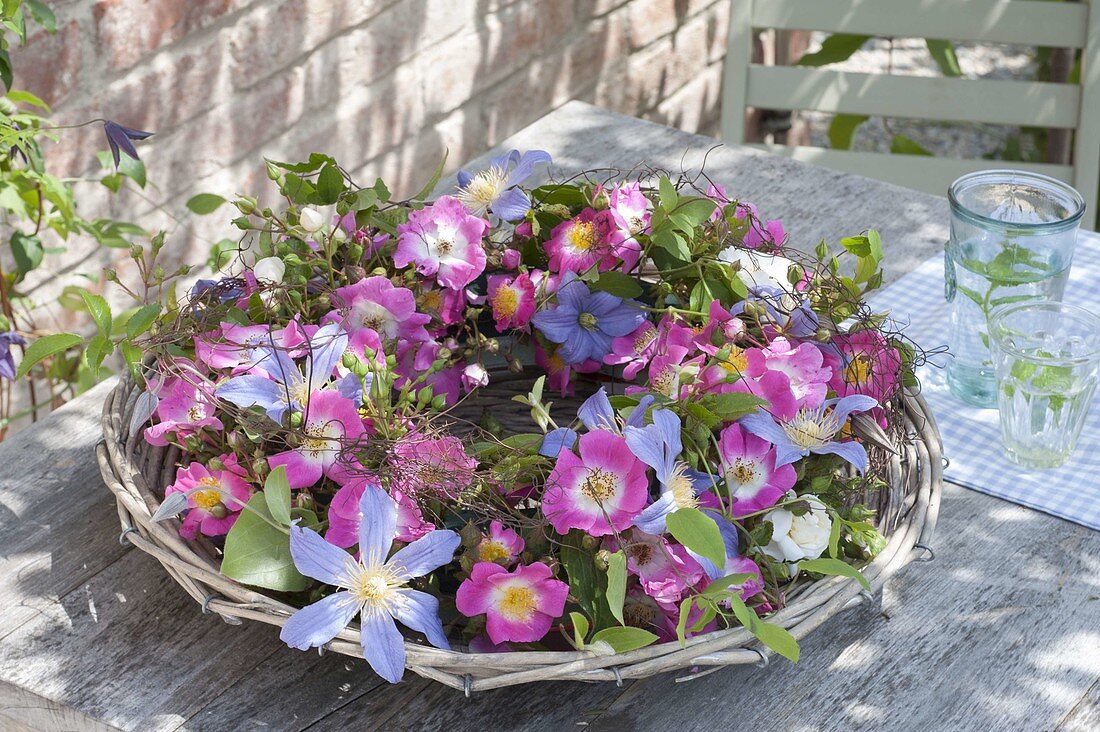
311 219
823 335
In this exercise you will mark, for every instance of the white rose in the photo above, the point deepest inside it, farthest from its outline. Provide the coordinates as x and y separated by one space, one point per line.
799 537
758 269
269 269
311 219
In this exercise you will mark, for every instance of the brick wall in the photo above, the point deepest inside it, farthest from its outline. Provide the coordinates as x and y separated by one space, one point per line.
384 85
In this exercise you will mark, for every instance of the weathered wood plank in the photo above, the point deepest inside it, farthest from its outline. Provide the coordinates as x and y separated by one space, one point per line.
56 527
129 647
321 685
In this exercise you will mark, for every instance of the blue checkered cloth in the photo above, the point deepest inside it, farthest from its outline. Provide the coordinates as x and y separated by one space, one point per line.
971 436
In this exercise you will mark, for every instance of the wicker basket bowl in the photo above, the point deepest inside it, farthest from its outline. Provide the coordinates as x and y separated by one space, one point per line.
137 474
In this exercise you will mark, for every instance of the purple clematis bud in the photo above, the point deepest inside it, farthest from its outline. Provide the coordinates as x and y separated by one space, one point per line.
7 363
119 138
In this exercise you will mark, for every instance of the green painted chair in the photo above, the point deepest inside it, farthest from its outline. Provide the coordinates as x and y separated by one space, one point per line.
1027 22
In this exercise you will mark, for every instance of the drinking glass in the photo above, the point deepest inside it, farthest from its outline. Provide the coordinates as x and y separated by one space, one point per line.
1012 240
1047 357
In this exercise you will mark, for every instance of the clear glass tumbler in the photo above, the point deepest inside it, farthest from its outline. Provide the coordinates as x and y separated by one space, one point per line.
1012 240
1047 358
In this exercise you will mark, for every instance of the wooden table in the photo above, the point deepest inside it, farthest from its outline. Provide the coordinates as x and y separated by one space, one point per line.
1001 631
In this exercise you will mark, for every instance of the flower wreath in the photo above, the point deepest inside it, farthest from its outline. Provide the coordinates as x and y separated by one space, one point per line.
318 393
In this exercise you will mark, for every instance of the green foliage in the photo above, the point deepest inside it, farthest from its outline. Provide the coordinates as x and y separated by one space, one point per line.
836 48
257 551
843 128
204 203
45 347
586 583
616 584
698 532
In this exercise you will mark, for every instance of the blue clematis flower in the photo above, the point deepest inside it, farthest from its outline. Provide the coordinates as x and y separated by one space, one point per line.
813 431
496 188
7 363
659 445
288 387
596 414
372 587
584 322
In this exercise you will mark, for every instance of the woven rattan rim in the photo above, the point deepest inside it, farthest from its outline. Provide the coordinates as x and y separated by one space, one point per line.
136 472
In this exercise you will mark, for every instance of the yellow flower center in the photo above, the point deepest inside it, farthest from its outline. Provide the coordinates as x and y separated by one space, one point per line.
810 429
299 392
588 321
737 361
491 551
663 382
858 370
444 247
518 603
485 188
640 553
505 301
639 615
743 472
432 300
582 236
643 341
196 413
206 500
599 485
683 491
315 441
374 587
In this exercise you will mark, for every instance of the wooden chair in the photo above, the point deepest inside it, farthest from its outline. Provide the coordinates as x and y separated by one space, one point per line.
1025 22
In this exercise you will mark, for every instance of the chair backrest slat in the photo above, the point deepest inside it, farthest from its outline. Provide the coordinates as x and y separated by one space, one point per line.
913 97
912 171
1028 22
1005 102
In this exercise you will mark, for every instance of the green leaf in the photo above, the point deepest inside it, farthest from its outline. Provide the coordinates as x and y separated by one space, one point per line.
141 320
834 567
624 639
733 405
45 347
222 253
698 532
25 97
585 583
42 14
330 184
426 191
98 349
277 493
773 636
27 251
580 629
257 553
204 203
837 47
133 169
667 190
97 307
943 53
616 584
902 145
843 128
672 243
695 211
618 284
